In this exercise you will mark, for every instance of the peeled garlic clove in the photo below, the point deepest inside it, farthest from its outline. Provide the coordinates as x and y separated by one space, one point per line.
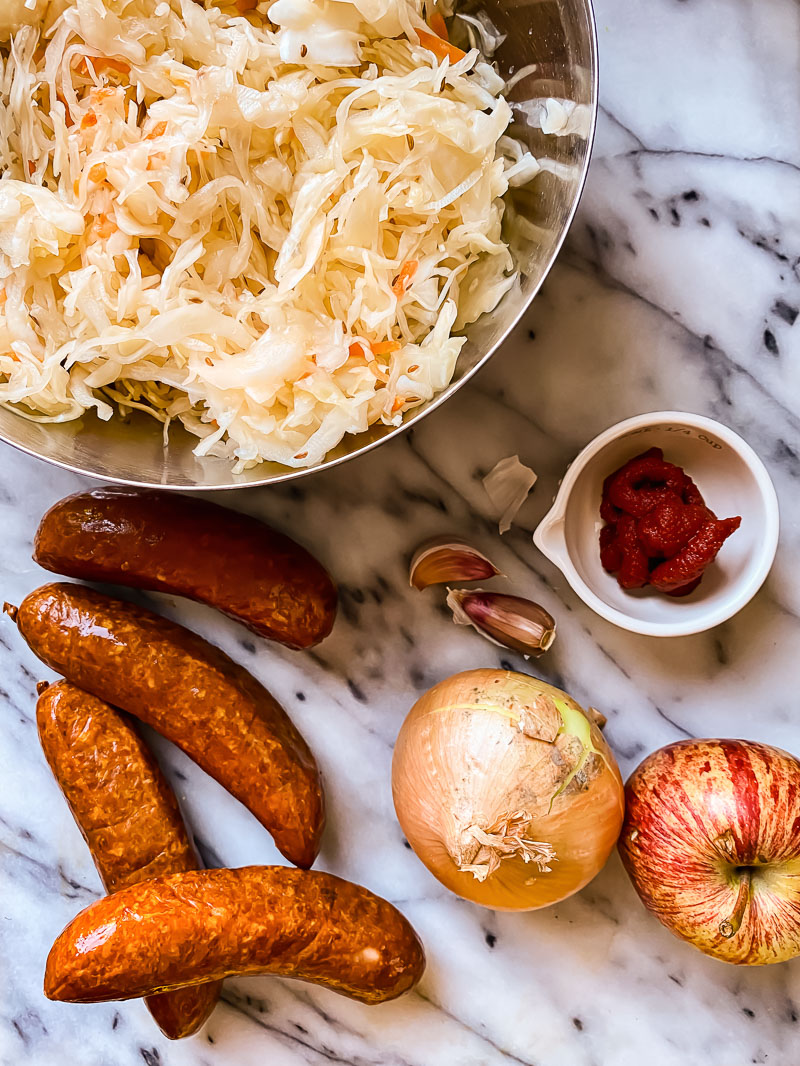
443 559
510 621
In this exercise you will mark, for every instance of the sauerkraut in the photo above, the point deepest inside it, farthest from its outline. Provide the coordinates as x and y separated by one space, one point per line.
268 221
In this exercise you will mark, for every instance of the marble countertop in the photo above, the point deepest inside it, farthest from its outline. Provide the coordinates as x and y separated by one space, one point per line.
679 288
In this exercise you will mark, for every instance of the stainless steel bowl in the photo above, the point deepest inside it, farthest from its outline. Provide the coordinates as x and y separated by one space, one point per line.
559 36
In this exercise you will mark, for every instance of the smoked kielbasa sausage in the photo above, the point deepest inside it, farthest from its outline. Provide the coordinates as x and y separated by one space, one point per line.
177 930
127 813
172 543
191 693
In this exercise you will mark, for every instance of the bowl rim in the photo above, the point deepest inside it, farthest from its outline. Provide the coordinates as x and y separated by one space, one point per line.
745 588
329 464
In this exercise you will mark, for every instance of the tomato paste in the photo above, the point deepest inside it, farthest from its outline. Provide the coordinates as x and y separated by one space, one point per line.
658 530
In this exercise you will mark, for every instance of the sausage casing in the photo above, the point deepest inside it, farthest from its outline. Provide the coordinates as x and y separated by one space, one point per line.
172 543
191 693
127 813
189 927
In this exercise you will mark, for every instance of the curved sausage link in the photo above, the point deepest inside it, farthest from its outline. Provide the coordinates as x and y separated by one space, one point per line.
127 813
189 927
191 693
167 542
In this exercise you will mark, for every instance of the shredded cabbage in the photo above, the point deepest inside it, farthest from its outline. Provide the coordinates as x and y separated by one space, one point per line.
262 221
16 13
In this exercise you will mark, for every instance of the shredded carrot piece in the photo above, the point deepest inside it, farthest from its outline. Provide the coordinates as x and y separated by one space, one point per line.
102 66
405 277
384 347
60 96
356 350
413 369
241 7
157 159
31 168
3 297
158 130
398 403
76 187
104 227
441 49
88 120
98 173
439 26
301 455
103 94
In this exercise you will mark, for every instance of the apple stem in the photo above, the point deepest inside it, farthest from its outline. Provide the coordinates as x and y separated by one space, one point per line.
730 926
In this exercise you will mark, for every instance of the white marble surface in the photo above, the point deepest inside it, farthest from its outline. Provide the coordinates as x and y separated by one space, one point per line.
679 287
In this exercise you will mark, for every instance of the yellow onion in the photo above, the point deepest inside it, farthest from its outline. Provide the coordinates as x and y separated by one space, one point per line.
506 790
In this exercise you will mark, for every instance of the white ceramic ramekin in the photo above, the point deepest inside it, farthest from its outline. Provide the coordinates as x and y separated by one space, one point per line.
733 481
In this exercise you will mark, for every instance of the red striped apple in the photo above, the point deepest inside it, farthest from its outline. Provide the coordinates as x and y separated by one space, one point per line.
711 841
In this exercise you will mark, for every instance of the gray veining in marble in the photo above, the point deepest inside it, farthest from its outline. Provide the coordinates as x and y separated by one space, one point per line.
679 287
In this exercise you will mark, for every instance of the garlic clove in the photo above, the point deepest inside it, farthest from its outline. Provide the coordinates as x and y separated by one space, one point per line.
443 559
510 621
508 486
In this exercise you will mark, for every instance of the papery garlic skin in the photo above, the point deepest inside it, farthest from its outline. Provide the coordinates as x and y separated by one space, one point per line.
508 485
505 790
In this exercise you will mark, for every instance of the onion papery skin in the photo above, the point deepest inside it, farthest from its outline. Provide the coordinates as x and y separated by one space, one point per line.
462 758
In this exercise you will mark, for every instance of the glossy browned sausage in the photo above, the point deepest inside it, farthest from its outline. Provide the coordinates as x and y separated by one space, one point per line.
193 694
126 811
177 544
190 927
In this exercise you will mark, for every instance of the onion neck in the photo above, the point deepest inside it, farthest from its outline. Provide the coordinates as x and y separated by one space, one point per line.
730 926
